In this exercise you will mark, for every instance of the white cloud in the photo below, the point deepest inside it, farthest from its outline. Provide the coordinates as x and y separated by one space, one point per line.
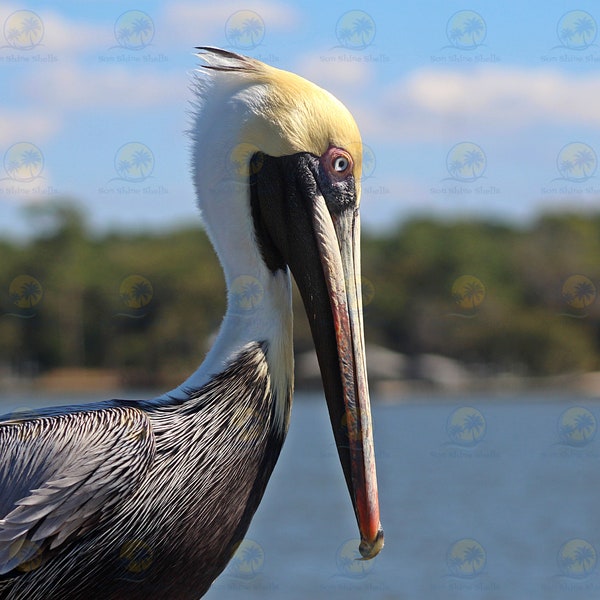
26 125
60 35
327 70
70 86
66 36
433 103
201 21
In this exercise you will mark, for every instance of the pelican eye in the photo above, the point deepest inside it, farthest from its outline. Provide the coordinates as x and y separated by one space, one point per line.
340 164
337 162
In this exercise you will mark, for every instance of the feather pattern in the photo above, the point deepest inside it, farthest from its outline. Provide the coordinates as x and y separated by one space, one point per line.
107 482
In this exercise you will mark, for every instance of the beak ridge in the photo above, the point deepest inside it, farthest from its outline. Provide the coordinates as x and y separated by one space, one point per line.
323 253
339 248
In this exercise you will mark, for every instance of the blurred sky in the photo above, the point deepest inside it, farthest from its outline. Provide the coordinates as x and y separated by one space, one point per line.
467 109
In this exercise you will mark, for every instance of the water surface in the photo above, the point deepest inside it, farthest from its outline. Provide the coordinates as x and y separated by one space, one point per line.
481 497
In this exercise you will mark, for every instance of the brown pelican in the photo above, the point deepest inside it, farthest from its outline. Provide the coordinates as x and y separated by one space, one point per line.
149 499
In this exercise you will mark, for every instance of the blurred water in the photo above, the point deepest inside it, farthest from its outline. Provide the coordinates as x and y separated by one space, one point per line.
480 498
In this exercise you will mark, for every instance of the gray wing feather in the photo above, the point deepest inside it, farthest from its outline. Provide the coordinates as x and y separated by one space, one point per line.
61 475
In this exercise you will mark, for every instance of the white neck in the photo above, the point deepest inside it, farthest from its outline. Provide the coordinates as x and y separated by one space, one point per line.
258 300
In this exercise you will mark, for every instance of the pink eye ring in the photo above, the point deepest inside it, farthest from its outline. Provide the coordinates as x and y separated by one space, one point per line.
338 162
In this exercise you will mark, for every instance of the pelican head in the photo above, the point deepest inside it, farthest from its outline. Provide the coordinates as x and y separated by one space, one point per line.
277 166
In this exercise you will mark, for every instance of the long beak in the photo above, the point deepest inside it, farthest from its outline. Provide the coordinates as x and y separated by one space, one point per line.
323 254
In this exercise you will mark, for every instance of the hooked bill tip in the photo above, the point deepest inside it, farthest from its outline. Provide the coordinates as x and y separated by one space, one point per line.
369 550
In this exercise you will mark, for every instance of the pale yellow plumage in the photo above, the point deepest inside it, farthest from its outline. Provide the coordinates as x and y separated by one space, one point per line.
292 114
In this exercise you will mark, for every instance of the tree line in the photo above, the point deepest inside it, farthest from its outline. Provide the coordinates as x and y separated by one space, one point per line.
497 297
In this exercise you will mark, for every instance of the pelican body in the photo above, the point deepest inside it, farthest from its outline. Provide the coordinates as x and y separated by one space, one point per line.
149 499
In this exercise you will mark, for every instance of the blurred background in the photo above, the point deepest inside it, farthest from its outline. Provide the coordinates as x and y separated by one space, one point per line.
481 248
480 194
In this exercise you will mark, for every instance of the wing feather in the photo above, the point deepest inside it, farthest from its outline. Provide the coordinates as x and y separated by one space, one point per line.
61 474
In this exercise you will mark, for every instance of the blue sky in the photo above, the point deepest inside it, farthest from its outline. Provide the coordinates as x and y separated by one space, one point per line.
478 109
